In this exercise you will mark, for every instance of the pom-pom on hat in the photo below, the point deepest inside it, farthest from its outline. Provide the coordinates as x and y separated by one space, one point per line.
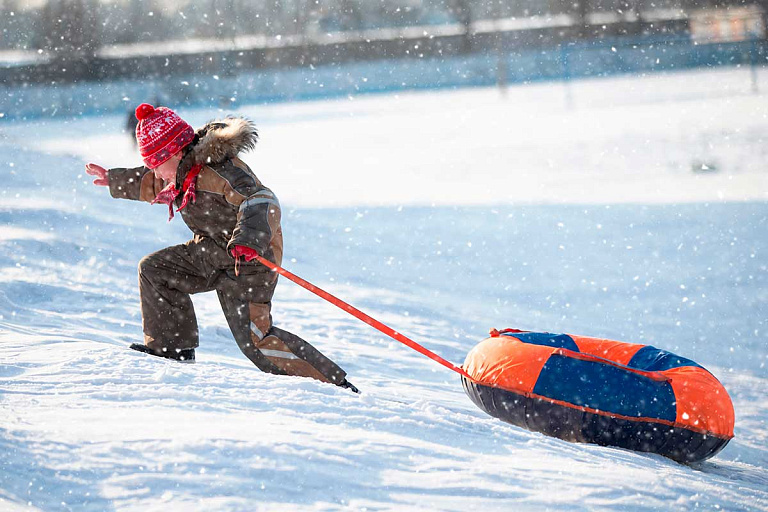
160 133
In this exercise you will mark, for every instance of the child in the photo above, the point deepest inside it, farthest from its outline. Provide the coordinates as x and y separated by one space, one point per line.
232 215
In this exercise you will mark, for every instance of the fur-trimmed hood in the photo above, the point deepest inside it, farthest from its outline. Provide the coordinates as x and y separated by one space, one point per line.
223 139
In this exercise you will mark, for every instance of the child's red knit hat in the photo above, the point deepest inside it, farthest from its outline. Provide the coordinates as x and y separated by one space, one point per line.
161 133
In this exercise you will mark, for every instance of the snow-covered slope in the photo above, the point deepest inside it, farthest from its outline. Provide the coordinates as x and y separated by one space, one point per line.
441 214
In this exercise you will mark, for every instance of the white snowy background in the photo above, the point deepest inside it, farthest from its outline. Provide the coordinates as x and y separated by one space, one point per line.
639 213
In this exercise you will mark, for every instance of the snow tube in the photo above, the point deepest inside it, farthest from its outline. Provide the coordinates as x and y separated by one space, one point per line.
601 391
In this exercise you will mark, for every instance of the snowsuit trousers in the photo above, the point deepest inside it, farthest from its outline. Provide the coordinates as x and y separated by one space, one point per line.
169 276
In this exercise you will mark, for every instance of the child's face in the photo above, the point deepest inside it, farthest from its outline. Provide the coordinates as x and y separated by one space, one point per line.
167 170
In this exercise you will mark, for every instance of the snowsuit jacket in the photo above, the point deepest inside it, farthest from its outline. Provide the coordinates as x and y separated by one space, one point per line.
232 207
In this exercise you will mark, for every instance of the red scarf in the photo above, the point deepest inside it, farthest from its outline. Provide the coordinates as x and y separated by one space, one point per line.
169 194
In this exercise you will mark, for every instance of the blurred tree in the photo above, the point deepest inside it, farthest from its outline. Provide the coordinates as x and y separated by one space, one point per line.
138 24
350 15
461 10
69 28
251 16
763 4
581 15
8 23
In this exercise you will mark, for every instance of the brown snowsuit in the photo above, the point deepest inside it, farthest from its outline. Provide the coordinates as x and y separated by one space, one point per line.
231 208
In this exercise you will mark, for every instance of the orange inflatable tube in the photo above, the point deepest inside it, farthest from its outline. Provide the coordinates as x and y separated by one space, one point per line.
601 391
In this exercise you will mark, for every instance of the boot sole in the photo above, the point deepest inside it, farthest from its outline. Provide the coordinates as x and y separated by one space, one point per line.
145 350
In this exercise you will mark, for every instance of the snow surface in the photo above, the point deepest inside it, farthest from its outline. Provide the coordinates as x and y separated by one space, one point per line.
442 214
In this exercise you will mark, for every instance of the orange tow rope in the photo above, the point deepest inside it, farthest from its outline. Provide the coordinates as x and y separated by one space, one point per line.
361 316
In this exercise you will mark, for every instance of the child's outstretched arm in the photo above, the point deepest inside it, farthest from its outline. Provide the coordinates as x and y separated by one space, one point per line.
138 183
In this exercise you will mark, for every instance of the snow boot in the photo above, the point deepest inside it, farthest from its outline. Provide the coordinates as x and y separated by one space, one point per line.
187 354
348 385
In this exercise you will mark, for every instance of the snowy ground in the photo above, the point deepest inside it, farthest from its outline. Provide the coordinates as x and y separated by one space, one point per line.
442 214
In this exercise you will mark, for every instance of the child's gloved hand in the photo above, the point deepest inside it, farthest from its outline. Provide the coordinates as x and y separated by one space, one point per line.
241 250
247 252
99 172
